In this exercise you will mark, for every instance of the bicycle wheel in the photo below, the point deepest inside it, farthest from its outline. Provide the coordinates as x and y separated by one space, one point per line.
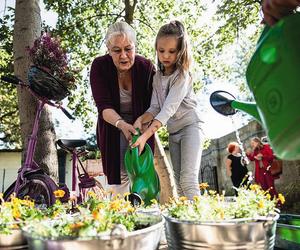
39 188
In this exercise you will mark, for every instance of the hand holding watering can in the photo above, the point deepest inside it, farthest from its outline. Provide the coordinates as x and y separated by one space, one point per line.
273 78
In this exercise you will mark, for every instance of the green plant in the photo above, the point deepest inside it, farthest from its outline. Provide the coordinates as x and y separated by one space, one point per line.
250 203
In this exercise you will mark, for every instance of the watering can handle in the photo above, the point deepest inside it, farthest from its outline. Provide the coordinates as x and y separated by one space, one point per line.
135 137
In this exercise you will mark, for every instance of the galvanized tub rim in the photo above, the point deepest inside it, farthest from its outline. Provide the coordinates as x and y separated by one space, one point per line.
101 236
271 217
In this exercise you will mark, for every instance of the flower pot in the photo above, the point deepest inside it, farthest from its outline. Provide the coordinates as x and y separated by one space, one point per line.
288 232
46 85
236 234
144 239
14 239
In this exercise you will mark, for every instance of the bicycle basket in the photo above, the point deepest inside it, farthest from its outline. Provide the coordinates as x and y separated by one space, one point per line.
46 85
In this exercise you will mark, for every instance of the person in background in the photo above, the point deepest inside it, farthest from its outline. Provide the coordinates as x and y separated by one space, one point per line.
236 166
274 10
173 103
121 83
263 156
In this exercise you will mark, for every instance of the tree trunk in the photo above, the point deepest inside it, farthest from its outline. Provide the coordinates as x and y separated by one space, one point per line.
165 173
27 28
129 10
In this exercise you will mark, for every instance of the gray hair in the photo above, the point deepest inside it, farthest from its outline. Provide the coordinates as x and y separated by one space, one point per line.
120 28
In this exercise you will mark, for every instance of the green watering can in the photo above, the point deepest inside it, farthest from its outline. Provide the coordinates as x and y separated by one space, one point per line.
142 175
273 76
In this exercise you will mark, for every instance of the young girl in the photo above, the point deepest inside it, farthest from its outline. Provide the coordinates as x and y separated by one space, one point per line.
235 165
173 103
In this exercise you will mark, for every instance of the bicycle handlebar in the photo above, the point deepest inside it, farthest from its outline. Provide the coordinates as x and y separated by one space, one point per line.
11 79
67 113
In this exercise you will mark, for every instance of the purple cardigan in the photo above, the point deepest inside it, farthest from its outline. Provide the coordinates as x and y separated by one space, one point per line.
105 89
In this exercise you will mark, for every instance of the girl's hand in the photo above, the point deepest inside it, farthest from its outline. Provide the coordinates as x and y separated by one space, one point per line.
127 129
140 142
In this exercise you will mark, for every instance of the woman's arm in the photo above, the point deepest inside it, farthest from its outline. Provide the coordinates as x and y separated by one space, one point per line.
103 98
112 117
228 167
250 154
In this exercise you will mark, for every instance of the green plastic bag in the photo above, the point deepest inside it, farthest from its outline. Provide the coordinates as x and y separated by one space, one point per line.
143 178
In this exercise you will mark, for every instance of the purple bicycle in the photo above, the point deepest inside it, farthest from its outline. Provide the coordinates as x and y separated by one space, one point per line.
31 180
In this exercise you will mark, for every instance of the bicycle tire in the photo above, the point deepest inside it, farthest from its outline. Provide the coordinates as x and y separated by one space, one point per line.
39 188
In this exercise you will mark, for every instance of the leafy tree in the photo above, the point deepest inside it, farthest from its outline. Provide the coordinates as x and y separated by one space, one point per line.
82 26
10 135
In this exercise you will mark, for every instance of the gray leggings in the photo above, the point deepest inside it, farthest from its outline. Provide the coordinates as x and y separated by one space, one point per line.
186 150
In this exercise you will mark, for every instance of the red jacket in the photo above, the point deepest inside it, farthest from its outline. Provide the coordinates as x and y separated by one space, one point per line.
267 159
105 89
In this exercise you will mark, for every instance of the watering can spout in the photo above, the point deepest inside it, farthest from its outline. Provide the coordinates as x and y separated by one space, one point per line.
225 104
248 107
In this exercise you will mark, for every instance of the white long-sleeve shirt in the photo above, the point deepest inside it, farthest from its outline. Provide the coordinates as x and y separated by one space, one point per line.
173 101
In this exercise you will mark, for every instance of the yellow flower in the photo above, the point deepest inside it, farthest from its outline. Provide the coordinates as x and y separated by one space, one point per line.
115 205
76 225
130 209
268 196
96 215
254 187
261 204
91 194
59 193
183 198
203 185
222 214
16 213
212 192
281 198
196 198
153 201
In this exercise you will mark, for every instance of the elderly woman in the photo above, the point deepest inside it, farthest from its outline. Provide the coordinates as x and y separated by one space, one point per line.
121 84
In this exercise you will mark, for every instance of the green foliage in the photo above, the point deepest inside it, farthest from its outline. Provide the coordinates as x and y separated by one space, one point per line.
10 134
215 28
163 136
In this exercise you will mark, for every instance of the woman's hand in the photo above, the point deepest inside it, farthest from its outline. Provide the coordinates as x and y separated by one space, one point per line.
140 143
127 129
274 10
138 123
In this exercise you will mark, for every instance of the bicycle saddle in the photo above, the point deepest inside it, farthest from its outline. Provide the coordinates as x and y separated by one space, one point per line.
70 144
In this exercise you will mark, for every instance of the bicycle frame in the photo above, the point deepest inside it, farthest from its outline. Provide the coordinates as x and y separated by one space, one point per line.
30 165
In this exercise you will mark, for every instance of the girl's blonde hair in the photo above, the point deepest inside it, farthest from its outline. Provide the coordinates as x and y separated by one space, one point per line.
258 141
176 29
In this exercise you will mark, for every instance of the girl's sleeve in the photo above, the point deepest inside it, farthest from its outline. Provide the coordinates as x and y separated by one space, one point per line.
154 108
99 86
177 91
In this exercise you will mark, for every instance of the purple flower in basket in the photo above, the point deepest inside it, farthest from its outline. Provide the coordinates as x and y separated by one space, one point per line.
47 54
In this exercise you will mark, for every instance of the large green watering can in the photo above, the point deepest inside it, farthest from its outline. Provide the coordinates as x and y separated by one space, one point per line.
273 76
142 175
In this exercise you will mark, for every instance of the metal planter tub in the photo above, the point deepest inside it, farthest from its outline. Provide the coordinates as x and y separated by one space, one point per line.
288 232
14 239
144 239
237 234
